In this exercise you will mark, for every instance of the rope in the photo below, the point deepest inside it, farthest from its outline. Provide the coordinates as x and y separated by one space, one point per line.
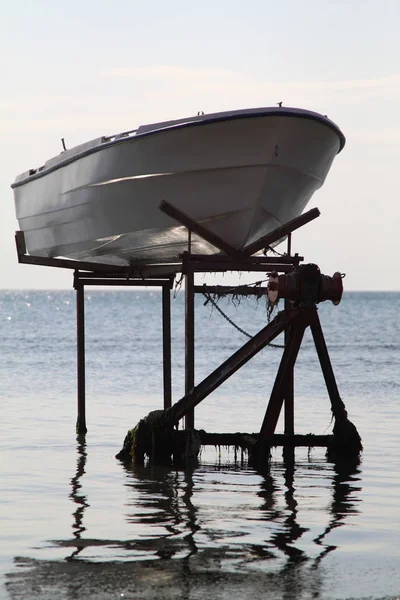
270 249
178 285
208 297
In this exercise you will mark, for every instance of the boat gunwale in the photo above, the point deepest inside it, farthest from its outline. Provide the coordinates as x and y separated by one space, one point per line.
266 112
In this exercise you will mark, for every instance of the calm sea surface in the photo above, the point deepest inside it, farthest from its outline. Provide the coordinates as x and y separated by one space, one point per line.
74 523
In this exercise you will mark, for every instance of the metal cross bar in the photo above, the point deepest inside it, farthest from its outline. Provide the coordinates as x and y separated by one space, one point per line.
124 282
248 440
238 290
128 276
211 258
224 266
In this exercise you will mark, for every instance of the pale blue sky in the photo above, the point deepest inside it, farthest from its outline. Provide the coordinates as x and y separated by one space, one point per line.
79 70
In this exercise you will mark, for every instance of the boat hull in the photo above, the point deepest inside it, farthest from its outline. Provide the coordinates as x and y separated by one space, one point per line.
239 177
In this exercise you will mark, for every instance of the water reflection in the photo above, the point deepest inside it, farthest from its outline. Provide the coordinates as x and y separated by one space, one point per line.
292 531
345 496
77 527
175 513
296 576
179 513
226 526
163 500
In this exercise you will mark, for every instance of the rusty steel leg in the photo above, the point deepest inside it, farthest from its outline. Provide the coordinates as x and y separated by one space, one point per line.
278 391
80 327
166 333
189 339
289 404
337 404
289 390
347 440
289 394
288 453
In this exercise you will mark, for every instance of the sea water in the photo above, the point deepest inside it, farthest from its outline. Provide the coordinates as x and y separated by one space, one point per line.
76 523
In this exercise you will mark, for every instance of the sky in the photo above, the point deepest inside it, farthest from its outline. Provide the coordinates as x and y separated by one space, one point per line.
81 69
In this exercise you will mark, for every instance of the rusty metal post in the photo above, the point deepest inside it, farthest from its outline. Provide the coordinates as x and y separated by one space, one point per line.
166 325
80 327
189 337
289 393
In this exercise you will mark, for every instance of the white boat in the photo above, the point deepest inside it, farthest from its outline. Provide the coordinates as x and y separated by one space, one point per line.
240 174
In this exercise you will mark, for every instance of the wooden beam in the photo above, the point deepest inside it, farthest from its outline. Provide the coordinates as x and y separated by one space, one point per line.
195 227
20 244
281 232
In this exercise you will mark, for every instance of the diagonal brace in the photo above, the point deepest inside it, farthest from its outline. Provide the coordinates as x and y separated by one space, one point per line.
231 365
281 232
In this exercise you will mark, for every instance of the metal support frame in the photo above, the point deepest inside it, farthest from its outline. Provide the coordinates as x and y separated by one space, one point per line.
294 321
231 260
291 321
307 317
115 279
192 264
